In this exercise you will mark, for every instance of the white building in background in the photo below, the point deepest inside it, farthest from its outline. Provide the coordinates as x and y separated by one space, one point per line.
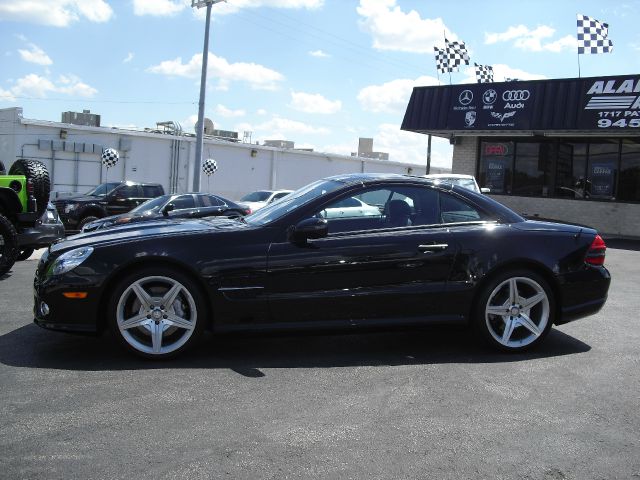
72 155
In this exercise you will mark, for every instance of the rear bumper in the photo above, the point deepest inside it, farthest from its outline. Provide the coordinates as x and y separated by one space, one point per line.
40 235
583 293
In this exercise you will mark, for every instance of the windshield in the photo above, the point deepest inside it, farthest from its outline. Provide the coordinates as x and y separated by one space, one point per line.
102 189
462 182
153 205
256 197
283 206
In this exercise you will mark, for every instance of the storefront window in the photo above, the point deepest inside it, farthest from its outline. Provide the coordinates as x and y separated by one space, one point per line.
571 169
602 172
496 160
629 183
528 176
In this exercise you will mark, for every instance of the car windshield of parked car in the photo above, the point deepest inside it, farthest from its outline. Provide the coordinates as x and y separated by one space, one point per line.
151 206
462 182
102 189
256 197
292 201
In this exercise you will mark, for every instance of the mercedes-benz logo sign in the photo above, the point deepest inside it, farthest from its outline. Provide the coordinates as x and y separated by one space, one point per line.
465 97
489 96
516 95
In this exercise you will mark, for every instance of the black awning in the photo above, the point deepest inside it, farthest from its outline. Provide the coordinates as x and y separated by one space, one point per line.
595 105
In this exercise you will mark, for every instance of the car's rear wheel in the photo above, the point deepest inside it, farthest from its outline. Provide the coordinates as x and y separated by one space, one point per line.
157 312
515 311
37 173
8 245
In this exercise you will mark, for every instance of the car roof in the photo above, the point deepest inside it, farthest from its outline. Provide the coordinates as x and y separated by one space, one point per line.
448 175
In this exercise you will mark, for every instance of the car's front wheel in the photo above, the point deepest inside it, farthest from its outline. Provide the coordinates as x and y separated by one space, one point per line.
515 310
157 312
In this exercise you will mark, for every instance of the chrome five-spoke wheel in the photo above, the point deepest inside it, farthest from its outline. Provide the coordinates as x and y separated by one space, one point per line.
517 311
156 315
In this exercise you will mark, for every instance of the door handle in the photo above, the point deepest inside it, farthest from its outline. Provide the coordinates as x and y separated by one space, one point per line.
436 247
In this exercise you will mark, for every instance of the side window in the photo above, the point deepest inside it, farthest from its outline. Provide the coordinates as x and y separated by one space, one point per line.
150 191
278 196
390 207
183 201
210 201
127 191
454 210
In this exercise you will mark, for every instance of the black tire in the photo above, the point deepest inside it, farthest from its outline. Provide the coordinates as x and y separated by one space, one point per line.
8 245
188 306
24 254
519 324
36 172
86 220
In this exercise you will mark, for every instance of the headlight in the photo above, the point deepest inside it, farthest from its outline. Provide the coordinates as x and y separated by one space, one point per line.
69 207
69 260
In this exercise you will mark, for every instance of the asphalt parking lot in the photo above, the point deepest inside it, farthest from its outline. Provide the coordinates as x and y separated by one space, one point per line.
426 404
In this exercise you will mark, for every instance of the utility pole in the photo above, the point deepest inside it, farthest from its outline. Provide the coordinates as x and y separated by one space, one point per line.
428 153
203 85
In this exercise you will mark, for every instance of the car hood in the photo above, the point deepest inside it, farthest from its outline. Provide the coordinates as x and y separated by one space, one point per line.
148 229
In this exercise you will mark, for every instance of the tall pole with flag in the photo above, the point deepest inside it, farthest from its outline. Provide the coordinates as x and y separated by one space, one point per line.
592 37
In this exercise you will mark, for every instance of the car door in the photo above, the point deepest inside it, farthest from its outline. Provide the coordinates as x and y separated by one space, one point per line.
366 270
123 199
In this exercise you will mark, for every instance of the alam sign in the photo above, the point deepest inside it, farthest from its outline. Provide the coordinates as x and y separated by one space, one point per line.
591 104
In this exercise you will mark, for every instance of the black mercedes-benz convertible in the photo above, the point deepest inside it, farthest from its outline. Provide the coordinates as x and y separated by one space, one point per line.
314 260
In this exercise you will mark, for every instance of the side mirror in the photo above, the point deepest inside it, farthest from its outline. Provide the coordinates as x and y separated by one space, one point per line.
167 208
485 190
309 228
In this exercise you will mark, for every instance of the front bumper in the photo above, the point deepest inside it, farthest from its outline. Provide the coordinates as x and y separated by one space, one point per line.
53 311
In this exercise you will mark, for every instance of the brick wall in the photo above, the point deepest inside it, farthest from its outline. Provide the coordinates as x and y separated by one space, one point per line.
464 155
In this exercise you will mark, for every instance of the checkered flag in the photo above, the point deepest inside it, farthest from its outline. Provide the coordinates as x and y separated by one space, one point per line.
441 60
484 73
457 54
209 167
592 36
110 157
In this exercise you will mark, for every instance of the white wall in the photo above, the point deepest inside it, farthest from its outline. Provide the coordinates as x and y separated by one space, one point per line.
148 157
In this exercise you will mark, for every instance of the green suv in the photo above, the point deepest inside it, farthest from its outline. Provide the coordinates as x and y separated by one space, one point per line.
27 219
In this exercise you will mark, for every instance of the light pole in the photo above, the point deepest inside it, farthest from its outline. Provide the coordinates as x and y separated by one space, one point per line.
203 84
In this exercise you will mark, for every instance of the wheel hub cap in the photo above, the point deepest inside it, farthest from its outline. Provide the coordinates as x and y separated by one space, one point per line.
515 311
156 314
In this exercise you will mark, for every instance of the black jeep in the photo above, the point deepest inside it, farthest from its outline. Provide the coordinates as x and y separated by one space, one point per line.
106 199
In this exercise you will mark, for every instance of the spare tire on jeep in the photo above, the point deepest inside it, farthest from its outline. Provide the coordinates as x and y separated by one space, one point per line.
36 173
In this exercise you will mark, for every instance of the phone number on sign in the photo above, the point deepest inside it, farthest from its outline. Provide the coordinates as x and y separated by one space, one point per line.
622 123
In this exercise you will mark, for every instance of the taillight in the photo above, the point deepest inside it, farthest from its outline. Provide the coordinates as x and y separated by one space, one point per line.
595 255
30 187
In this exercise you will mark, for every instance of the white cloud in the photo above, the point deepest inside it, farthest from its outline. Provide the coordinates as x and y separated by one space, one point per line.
314 103
393 96
227 112
35 55
500 73
410 147
129 57
279 128
36 86
535 40
261 111
319 54
257 76
57 13
393 29
234 6
158 8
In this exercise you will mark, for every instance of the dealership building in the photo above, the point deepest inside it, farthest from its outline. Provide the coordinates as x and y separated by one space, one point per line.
565 149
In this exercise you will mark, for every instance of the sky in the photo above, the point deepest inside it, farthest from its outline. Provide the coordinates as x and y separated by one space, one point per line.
320 73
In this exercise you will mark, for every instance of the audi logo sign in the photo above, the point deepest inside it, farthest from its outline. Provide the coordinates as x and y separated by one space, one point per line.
516 95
